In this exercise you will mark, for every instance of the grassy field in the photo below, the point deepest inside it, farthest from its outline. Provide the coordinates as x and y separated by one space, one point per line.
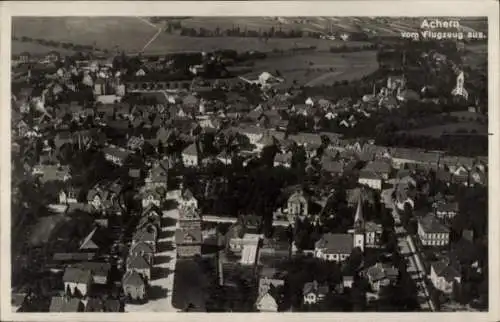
36 49
318 68
437 131
43 229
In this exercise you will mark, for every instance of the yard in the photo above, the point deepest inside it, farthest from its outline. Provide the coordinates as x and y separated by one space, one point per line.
43 229
190 285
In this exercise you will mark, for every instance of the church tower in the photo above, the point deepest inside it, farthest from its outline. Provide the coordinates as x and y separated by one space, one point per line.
359 226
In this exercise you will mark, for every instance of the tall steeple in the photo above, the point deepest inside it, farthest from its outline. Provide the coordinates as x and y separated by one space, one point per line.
359 220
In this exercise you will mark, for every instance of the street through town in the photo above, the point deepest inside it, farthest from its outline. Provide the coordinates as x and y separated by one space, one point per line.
416 274
163 271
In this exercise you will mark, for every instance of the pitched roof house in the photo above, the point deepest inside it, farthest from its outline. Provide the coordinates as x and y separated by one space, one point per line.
444 274
314 292
134 286
334 247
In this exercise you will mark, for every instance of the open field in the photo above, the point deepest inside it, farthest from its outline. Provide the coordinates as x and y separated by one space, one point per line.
476 56
42 230
372 25
132 33
129 33
326 68
18 47
174 43
437 131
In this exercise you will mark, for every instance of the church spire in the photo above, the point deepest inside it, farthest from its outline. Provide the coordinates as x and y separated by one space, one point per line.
358 217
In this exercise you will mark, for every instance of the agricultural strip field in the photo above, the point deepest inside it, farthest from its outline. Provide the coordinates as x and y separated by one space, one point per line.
175 43
318 68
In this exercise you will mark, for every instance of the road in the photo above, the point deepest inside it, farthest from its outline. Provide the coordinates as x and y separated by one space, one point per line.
404 244
162 273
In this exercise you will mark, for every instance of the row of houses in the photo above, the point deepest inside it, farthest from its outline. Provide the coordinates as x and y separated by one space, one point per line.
140 259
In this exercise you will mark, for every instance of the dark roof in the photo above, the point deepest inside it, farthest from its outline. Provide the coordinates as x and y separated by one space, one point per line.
332 166
378 167
446 270
77 275
96 268
315 287
73 256
94 305
63 304
191 150
141 247
133 278
447 207
431 225
337 243
369 175
143 235
137 262
97 238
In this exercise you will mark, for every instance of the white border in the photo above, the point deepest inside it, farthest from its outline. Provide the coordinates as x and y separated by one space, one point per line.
250 8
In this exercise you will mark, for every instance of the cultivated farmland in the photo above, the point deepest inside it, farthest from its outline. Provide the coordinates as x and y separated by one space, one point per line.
318 68
175 43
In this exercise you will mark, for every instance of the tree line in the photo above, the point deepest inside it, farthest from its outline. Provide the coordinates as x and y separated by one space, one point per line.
60 44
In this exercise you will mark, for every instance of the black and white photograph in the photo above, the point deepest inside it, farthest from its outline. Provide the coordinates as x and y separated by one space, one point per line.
240 164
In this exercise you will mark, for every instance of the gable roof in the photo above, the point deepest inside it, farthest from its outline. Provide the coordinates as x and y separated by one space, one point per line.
141 246
446 270
336 243
430 224
378 167
95 239
96 268
133 278
137 262
191 150
315 287
143 235
76 275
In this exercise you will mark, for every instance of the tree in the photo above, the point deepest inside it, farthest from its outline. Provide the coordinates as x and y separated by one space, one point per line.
355 260
299 158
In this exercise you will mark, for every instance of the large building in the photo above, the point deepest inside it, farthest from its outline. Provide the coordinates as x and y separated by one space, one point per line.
432 233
